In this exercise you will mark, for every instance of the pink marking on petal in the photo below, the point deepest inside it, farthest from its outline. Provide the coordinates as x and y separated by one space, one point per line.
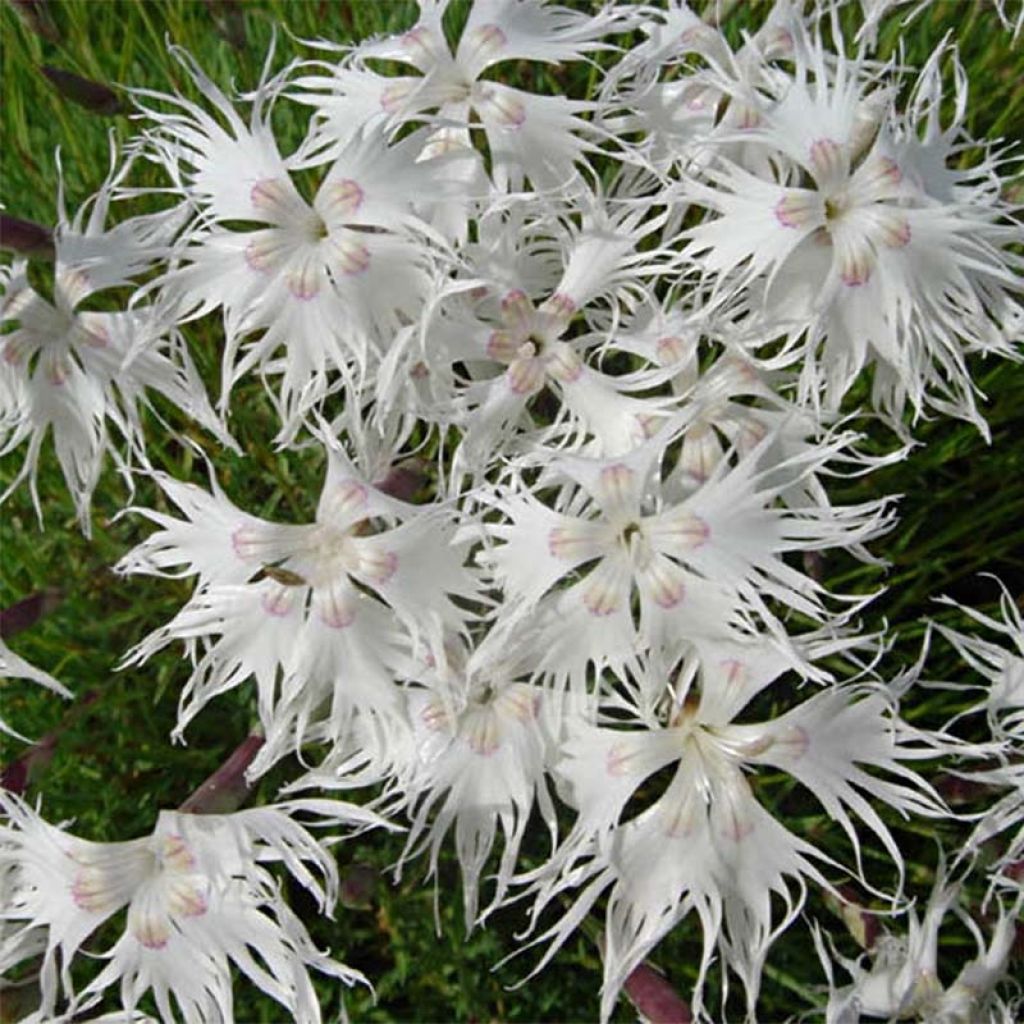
778 42
56 372
687 530
667 589
434 717
246 542
304 285
485 42
796 210
484 736
890 169
278 601
502 107
176 853
525 375
678 822
12 353
795 739
186 899
420 42
752 434
647 425
736 829
564 364
615 485
379 566
502 346
559 305
567 542
270 196
518 702
517 311
734 672
336 612
695 35
619 759
151 933
90 890
348 497
896 232
342 199
855 270
96 337
353 258
600 600
419 371
749 117
393 96
259 255
669 349
826 158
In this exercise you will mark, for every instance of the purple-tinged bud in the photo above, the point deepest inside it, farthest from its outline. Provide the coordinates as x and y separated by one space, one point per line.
25 237
862 924
226 789
90 95
404 480
28 611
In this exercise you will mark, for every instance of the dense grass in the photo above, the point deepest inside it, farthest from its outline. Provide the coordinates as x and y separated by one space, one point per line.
113 766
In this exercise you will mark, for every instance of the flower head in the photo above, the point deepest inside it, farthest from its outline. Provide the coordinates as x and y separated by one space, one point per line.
198 900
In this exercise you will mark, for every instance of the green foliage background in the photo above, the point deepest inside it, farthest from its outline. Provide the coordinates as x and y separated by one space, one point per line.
114 767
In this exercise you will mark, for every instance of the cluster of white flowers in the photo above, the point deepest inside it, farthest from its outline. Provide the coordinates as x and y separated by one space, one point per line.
622 334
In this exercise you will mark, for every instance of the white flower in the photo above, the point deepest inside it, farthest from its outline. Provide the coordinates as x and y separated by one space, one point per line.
841 237
325 282
74 371
1001 667
529 135
677 110
903 981
481 747
701 565
706 844
514 340
328 603
199 900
